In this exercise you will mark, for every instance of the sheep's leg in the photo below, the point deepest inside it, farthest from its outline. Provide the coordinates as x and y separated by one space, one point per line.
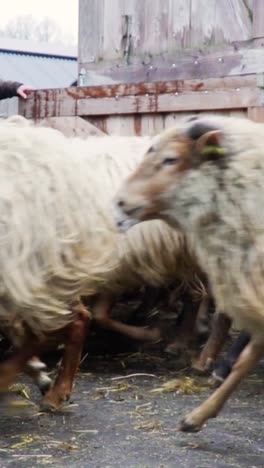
202 319
220 327
186 330
247 360
101 315
13 366
224 367
62 388
36 369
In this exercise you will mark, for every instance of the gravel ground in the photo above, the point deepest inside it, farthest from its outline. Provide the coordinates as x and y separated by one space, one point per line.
121 423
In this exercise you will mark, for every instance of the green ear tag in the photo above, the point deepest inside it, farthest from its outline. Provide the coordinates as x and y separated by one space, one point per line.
213 150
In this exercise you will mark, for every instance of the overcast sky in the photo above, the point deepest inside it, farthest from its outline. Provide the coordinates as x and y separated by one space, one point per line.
64 12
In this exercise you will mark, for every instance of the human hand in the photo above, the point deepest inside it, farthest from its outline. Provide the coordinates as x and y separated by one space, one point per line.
23 91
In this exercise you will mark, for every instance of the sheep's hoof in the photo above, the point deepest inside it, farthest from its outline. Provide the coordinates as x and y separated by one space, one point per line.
202 367
53 401
221 372
49 407
216 379
187 425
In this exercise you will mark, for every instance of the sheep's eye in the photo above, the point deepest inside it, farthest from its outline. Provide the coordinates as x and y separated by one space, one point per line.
170 161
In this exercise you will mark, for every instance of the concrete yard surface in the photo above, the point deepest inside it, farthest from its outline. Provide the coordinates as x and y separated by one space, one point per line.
114 423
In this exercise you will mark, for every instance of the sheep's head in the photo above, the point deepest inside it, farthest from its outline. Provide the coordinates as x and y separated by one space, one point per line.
150 191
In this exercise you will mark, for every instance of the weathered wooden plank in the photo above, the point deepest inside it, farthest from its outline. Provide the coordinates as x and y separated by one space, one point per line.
180 102
45 96
115 125
72 126
256 114
217 99
171 118
145 124
258 22
154 35
218 22
197 65
112 32
67 101
91 23
178 25
135 13
149 124
130 125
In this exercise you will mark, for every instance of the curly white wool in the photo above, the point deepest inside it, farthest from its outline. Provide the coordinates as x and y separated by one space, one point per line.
56 232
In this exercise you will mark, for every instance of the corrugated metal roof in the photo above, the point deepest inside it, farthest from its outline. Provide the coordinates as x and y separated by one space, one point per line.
44 48
43 67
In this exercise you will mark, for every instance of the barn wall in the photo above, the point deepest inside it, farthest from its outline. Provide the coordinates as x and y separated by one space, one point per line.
128 40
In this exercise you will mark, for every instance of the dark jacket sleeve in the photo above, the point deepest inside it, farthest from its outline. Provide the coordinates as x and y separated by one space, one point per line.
8 89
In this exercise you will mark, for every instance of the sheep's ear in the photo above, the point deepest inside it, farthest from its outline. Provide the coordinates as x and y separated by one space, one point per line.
209 145
207 140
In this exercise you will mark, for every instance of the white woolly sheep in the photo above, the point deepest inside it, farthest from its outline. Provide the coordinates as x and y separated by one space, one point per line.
52 230
56 239
59 240
57 236
206 175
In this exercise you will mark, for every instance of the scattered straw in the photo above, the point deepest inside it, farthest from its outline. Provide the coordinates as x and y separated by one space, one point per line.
152 425
25 440
184 385
133 375
20 403
68 446
21 389
120 387
103 392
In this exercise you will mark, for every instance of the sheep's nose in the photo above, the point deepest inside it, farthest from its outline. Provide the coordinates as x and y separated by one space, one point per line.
120 203
125 208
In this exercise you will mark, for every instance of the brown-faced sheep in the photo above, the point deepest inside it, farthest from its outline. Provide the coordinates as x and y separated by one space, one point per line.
206 176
